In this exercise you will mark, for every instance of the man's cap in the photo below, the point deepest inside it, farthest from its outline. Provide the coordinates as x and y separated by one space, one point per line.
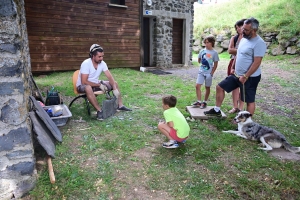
95 47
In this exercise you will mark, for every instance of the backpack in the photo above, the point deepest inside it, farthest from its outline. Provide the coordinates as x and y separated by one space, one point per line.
53 98
235 39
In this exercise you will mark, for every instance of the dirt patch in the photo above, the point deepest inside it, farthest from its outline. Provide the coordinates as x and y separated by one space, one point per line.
274 97
155 96
137 185
283 154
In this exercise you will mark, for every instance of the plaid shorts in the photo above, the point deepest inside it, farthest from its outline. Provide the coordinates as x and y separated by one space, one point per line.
81 88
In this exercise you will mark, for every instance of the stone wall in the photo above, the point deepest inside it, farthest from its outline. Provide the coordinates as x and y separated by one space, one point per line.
275 43
164 11
17 162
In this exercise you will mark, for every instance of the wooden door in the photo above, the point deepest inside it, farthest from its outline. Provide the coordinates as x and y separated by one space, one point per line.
146 41
177 41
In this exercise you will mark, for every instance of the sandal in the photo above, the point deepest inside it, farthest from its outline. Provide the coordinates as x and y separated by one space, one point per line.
234 110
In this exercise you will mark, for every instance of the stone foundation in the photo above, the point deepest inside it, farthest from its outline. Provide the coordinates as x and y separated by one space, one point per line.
17 162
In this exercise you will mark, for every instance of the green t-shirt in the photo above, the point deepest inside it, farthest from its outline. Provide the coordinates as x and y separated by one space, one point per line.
180 123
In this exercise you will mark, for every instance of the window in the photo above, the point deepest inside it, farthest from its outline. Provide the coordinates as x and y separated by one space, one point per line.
117 3
120 2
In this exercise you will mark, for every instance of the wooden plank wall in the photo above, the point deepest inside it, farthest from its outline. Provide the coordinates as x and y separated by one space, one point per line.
60 33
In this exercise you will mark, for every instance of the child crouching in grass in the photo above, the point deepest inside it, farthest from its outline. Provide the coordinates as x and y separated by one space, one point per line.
175 127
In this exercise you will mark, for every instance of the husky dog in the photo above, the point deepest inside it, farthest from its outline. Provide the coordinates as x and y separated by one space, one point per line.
269 137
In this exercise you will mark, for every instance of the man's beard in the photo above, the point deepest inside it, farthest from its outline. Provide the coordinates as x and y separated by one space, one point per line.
98 61
248 37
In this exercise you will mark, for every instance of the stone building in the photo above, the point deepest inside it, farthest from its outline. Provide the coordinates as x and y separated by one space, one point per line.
167 32
17 162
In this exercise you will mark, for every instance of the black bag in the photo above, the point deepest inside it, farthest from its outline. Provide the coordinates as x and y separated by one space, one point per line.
53 97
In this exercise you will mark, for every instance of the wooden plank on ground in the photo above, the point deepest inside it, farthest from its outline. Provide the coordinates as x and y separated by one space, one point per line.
44 136
46 119
198 113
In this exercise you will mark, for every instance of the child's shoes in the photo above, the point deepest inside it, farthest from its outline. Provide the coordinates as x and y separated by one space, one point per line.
203 105
171 144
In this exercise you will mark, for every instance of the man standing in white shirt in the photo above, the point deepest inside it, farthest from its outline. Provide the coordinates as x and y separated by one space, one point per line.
246 71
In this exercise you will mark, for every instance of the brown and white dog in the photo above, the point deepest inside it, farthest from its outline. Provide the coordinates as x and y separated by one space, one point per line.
269 137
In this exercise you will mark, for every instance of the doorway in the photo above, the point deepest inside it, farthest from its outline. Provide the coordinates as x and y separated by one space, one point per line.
177 49
146 36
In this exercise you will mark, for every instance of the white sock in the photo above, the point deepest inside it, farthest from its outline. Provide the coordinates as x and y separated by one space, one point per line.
217 109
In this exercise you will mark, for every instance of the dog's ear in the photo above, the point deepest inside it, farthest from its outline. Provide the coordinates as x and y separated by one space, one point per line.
249 115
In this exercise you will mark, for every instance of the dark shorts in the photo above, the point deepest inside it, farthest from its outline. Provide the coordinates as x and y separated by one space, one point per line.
232 82
81 88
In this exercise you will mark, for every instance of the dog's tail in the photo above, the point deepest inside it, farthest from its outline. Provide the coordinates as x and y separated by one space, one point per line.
290 148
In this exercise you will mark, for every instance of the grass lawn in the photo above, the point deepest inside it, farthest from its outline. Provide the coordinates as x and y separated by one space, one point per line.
274 15
122 157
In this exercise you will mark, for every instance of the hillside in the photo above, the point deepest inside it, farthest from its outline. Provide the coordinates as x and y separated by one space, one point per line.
274 15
